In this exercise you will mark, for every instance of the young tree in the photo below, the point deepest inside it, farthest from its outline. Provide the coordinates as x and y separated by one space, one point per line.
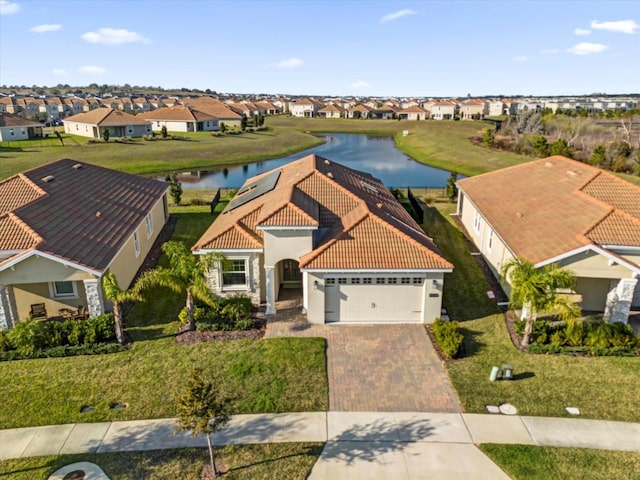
488 138
243 123
117 297
223 127
536 290
163 131
598 156
175 189
540 146
187 274
203 409
105 134
561 147
452 189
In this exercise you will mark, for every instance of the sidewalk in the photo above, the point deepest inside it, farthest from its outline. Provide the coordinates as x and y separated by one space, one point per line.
395 445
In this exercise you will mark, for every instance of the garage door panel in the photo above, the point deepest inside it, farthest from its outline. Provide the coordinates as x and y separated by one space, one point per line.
373 303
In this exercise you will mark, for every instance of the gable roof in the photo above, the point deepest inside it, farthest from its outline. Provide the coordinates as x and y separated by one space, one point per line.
545 208
362 225
178 113
74 211
9 120
106 117
213 107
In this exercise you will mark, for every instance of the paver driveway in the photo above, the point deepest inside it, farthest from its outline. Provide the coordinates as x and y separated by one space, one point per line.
375 368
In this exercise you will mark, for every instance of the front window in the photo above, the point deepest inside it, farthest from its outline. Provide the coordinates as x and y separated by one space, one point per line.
234 273
63 289
136 243
476 221
149 221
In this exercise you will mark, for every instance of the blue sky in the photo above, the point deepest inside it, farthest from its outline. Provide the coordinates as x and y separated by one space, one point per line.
377 48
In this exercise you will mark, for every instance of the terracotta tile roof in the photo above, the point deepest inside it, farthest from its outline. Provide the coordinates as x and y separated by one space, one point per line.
17 191
16 235
106 117
213 107
331 108
548 207
9 120
366 226
413 109
81 212
177 113
360 108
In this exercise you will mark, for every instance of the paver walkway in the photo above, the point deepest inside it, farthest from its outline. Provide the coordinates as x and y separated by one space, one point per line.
374 368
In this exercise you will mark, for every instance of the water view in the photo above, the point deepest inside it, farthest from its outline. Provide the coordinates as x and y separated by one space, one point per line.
375 155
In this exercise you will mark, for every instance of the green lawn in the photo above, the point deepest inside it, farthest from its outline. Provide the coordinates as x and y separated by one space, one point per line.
528 462
275 375
602 387
247 462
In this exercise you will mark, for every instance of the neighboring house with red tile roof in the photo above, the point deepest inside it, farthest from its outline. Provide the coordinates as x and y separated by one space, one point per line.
181 119
557 210
473 109
13 127
443 110
338 235
331 111
120 124
359 111
66 224
215 108
413 112
305 107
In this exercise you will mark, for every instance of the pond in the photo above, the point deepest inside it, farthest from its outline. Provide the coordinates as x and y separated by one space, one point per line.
375 155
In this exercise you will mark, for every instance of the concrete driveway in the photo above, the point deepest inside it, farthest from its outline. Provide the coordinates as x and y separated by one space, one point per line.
375 368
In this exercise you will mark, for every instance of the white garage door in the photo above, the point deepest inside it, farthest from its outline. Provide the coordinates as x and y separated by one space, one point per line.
373 300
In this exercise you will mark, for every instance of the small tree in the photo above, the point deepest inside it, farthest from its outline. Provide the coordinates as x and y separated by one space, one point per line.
203 409
598 156
561 147
105 134
540 146
243 123
260 120
117 297
163 131
452 188
488 138
175 189
223 127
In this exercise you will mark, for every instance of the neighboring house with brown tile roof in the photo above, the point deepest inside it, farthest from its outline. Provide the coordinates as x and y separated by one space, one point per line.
120 124
336 234
215 108
331 111
13 127
443 110
181 119
413 113
359 111
557 210
66 224
473 109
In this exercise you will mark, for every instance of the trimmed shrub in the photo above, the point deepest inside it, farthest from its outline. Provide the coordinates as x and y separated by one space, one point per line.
448 337
65 351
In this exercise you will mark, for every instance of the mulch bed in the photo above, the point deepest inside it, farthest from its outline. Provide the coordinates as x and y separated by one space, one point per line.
510 319
186 337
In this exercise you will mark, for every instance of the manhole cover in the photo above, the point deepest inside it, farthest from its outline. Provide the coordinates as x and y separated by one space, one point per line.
75 475
508 409
87 409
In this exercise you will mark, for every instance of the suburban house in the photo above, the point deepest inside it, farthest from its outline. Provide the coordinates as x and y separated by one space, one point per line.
331 111
66 224
305 108
413 113
94 123
336 234
558 210
180 119
473 109
215 108
359 111
443 110
13 127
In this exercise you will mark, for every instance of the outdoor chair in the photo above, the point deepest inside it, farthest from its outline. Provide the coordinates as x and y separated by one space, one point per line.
38 311
81 314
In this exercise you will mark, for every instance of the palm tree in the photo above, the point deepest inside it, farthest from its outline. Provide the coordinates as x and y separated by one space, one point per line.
536 290
187 273
117 297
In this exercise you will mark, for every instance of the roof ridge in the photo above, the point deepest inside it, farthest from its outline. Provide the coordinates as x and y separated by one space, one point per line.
31 183
25 226
246 232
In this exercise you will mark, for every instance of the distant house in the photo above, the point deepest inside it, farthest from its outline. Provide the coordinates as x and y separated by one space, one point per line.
385 112
63 226
13 127
181 119
558 210
412 113
359 111
473 109
443 110
119 124
215 108
335 234
305 108
331 111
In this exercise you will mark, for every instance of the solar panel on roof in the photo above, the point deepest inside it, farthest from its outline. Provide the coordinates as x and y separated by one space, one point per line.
253 190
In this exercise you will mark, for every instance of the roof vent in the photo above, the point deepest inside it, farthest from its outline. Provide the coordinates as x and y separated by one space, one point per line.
77 166
548 164
327 162
48 178
329 174
98 214
519 215
572 173
379 205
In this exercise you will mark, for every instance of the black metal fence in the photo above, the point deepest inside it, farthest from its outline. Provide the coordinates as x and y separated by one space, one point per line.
416 206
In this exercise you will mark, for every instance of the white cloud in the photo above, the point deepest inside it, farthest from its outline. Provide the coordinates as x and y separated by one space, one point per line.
586 48
8 8
289 63
621 26
396 15
92 70
521 58
550 51
360 84
60 72
114 36
582 31
45 28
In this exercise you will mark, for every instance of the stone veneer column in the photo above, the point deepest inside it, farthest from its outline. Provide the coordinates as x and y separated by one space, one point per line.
271 291
95 305
619 300
8 309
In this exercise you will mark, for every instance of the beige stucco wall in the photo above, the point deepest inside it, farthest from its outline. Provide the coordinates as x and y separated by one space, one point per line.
286 244
593 293
125 265
594 265
29 293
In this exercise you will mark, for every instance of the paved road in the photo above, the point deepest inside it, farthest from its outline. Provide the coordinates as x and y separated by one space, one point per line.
371 445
